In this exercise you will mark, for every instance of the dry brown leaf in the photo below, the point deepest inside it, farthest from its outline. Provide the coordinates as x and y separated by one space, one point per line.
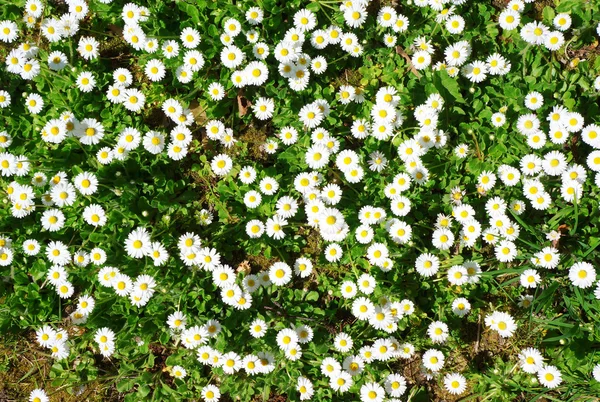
198 112
243 103
402 53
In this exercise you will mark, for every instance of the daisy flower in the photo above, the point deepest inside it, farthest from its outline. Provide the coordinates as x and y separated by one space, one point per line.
461 306
455 383
531 360
133 100
475 71
433 360
190 38
170 49
155 70
8 31
88 47
549 376
305 388
34 103
305 20
138 243
501 322
94 215
264 108
421 59
343 342
582 275
210 393
280 273
85 81
530 278
221 164
438 332
216 91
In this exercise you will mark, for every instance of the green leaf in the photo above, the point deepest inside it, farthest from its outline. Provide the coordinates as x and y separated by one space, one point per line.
447 86
548 14
190 10
312 296
125 385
